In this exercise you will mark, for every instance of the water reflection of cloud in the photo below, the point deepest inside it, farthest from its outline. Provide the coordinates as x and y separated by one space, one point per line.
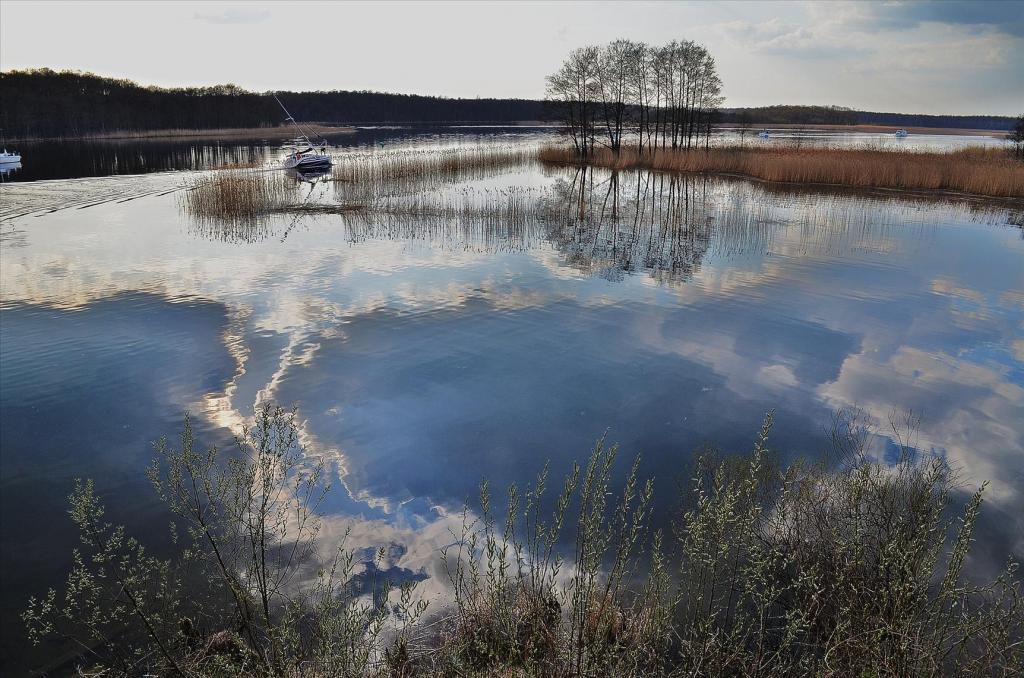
420 367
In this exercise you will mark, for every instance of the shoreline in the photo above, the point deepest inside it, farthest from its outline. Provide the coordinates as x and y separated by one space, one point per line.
282 132
878 129
276 133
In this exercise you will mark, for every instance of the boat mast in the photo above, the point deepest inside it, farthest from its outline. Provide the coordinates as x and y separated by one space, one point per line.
293 121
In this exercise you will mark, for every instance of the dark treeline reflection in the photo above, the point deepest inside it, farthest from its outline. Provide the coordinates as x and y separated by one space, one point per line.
110 157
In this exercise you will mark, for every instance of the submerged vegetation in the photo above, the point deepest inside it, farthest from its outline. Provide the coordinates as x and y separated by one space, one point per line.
989 172
769 570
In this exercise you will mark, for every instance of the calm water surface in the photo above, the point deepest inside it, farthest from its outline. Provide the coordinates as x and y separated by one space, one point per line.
424 355
98 158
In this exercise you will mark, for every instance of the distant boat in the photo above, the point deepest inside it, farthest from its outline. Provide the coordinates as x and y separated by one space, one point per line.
303 155
6 157
763 134
901 133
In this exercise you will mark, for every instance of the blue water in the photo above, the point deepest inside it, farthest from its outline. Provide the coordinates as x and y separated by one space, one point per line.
425 358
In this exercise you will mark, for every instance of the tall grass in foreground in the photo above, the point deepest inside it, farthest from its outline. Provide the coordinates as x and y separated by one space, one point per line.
980 171
811 569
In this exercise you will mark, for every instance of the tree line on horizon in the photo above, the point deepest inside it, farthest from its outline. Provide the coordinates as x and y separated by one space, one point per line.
42 103
52 104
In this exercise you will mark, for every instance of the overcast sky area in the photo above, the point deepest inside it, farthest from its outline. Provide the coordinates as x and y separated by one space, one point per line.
912 57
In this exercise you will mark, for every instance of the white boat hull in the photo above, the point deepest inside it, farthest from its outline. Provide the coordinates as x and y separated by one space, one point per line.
9 158
306 161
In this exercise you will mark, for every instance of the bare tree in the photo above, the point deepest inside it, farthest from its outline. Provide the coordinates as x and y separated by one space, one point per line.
571 91
1016 137
615 87
666 94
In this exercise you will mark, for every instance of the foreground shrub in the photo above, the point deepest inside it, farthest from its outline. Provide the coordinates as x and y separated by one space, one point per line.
838 567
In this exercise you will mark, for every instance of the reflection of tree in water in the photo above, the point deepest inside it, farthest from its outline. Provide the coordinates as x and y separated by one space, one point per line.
620 223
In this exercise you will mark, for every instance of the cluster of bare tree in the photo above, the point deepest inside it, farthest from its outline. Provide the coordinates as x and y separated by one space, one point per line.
665 96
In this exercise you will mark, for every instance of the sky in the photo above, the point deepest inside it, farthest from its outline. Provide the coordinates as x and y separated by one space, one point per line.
914 57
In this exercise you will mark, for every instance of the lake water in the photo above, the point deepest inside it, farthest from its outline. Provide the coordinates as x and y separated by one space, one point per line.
97 158
424 354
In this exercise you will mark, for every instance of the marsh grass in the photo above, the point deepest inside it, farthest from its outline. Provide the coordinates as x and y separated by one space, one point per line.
980 171
390 183
377 176
814 568
235 203
456 163
237 197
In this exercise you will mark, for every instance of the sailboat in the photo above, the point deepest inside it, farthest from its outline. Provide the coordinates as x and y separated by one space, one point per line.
6 158
302 155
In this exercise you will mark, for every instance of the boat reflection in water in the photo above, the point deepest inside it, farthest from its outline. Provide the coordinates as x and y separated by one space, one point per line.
310 176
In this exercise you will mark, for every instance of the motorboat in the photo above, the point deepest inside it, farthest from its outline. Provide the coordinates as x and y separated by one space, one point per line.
763 134
7 169
302 155
9 158
901 133
306 159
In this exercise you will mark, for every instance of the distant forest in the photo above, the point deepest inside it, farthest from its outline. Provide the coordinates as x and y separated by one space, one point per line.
836 115
44 103
49 104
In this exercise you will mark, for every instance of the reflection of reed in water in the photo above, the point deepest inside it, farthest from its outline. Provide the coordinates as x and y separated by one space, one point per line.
604 222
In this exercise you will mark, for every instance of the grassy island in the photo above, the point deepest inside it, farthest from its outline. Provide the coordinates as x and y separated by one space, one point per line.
978 171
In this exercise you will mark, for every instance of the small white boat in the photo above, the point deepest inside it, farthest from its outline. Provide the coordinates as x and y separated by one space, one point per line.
8 168
306 159
303 156
6 157
901 133
763 134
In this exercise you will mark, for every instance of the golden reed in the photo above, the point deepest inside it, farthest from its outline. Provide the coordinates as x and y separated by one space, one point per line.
980 171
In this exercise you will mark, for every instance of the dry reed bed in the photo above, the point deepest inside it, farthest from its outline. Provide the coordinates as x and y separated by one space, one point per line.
988 172
244 194
463 162
237 195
